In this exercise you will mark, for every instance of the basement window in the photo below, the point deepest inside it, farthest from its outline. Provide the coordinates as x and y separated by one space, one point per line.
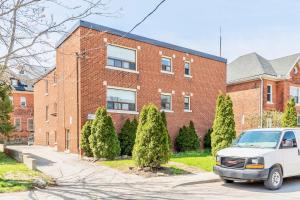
120 57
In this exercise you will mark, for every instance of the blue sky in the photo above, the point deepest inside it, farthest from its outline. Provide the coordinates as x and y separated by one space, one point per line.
268 27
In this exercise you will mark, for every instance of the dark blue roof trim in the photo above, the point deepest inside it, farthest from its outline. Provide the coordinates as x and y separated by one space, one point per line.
139 38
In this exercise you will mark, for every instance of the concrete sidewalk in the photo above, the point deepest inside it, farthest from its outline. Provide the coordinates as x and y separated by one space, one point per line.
77 179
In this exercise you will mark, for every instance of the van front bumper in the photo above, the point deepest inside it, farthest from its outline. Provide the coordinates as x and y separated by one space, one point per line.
241 174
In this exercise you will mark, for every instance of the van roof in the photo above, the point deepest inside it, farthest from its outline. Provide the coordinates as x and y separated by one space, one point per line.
273 129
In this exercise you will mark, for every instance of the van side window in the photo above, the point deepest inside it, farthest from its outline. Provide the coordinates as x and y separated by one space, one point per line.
289 136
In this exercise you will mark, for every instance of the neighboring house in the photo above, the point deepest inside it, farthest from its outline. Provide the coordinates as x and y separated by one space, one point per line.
257 85
100 66
22 100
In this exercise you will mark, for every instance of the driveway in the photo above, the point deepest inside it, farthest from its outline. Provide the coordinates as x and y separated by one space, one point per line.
78 179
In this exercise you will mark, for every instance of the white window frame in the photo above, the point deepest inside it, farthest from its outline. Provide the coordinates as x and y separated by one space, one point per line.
28 124
271 94
171 104
298 93
189 110
20 129
122 111
171 62
122 69
24 98
187 75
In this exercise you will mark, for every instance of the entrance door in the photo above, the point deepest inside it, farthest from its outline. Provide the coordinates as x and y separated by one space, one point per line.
67 142
47 138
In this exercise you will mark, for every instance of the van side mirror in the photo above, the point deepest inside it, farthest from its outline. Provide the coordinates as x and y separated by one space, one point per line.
287 144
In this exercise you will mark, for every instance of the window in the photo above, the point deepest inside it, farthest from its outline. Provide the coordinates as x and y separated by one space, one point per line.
14 82
295 69
298 120
166 102
120 57
46 86
187 69
30 126
289 136
269 93
23 102
47 110
18 124
55 136
121 99
187 105
54 78
295 93
166 64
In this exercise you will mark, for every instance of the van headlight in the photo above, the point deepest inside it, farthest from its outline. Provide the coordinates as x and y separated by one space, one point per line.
255 163
218 160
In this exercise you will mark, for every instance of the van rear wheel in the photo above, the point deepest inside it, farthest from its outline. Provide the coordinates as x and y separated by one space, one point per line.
274 180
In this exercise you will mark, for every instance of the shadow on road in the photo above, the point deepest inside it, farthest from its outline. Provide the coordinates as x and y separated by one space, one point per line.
289 185
40 161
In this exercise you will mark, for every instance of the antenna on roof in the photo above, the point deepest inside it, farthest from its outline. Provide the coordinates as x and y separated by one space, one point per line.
220 41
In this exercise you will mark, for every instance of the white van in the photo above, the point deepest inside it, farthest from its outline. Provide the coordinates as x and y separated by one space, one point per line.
267 155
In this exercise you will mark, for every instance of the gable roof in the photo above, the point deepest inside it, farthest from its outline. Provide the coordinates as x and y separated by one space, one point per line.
254 65
101 28
283 65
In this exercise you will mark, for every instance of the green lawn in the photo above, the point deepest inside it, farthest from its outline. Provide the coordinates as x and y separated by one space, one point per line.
15 176
199 159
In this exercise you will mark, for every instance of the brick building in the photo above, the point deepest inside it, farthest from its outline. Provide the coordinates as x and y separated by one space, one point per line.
22 100
96 66
257 85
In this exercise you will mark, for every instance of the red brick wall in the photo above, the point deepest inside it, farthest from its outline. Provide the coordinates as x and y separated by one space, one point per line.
42 99
208 78
23 113
246 102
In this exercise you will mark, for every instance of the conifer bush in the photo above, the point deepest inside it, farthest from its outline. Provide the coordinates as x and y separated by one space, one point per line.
151 148
187 139
84 140
224 126
127 136
103 139
207 139
164 118
289 118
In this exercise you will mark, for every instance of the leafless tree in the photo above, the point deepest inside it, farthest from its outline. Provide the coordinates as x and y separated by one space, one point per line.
27 28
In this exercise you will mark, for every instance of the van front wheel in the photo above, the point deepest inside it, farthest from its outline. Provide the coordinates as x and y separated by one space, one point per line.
274 180
227 181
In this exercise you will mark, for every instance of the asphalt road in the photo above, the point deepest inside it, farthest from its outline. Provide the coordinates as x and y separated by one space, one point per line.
82 180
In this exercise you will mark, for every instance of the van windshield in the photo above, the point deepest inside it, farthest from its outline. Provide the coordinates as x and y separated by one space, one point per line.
258 139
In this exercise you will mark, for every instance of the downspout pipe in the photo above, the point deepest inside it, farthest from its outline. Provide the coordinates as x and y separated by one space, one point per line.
261 100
